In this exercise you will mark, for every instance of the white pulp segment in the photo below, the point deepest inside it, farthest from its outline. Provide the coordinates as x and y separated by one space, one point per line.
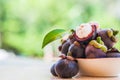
83 30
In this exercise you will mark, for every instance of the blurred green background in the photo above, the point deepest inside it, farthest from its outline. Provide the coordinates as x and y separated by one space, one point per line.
23 23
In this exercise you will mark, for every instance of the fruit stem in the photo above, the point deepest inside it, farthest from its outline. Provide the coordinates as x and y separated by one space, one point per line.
99 40
72 30
76 43
98 45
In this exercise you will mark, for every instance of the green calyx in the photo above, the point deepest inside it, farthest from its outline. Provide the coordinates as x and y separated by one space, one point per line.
99 40
112 33
95 44
115 32
109 33
98 44
103 48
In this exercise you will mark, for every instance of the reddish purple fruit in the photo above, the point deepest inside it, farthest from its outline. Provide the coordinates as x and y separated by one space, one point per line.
108 37
66 68
65 46
76 50
92 52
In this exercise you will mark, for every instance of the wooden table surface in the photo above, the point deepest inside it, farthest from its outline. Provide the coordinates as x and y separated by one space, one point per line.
18 68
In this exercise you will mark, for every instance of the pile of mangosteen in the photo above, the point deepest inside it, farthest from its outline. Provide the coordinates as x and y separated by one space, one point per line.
87 41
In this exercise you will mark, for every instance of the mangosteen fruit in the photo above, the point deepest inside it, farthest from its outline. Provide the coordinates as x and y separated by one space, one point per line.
65 44
76 50
108 36
85 33
96 49
66 68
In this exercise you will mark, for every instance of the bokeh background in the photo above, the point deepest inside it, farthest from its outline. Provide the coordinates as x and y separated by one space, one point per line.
23 23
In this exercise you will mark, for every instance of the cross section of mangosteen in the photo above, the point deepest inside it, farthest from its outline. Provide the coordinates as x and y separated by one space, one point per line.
85 32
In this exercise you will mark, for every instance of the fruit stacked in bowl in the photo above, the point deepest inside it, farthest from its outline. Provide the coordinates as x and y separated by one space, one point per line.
87 45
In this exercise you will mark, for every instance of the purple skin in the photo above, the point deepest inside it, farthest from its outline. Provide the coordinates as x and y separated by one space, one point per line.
60 47
66 68
107 41
76 51
113 55
65 46
52 70
92 52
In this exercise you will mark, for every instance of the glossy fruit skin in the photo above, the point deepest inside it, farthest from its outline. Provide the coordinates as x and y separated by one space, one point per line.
92 52
113 55
52 70
107 41
66 68
76 51
65 46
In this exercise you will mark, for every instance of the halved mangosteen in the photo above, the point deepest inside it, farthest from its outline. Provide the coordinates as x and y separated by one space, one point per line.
85 33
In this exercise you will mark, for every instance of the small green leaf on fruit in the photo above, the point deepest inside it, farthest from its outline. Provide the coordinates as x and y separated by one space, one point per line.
52 35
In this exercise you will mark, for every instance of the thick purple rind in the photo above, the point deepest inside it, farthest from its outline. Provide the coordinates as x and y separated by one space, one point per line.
90 36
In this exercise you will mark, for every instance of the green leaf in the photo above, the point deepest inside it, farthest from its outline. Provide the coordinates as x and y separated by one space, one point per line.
52 35
115 32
